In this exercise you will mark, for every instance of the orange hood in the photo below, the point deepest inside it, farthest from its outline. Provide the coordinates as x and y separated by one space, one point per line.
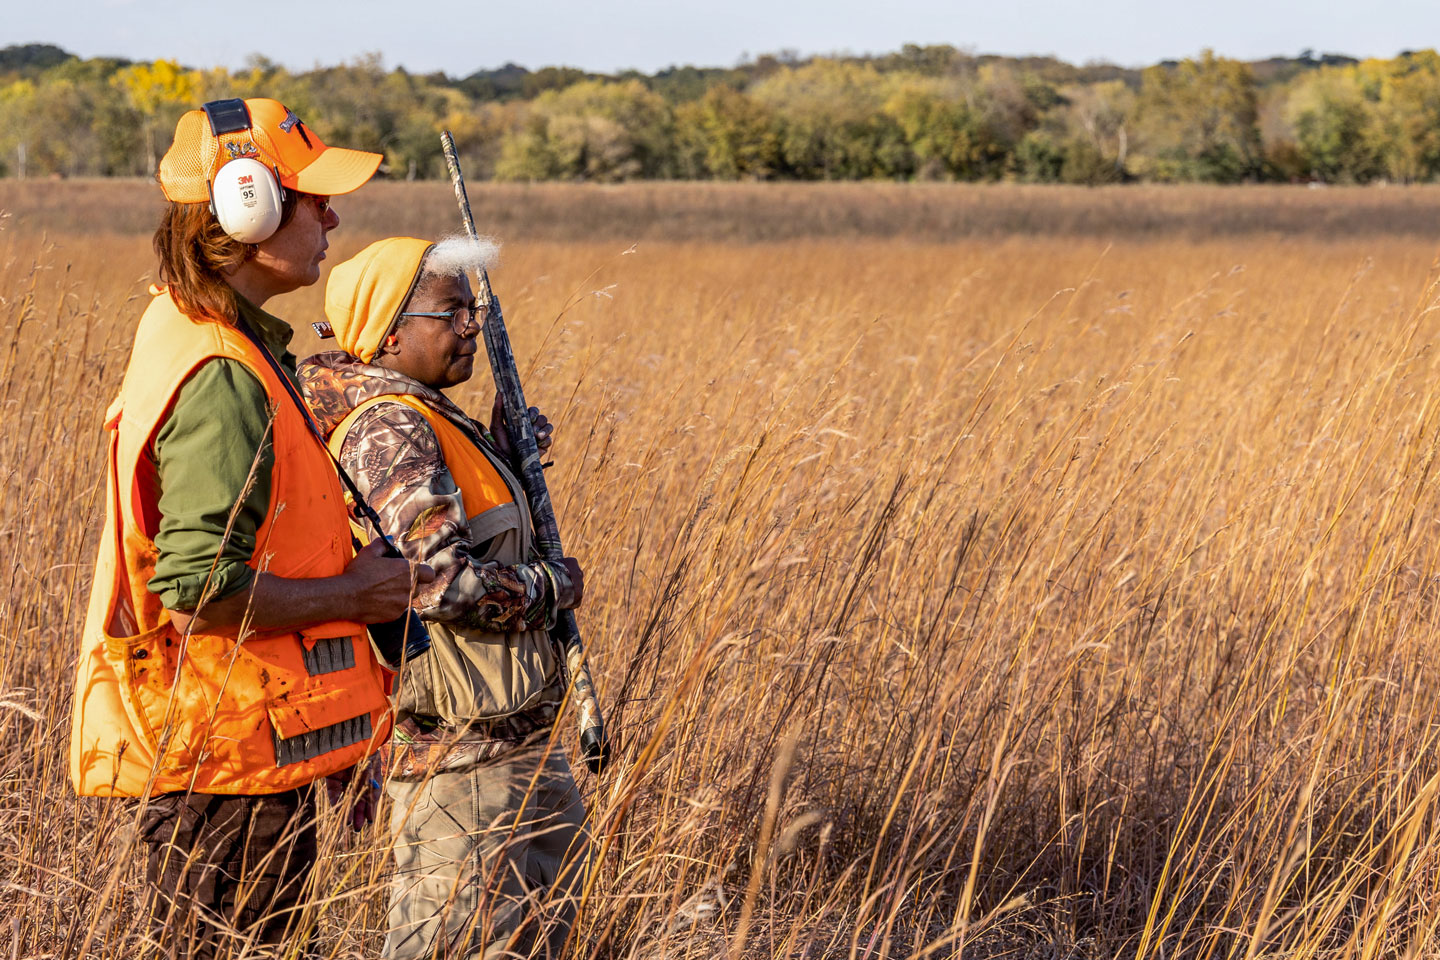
364 295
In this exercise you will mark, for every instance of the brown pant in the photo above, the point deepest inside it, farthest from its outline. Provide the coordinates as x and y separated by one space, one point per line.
226 871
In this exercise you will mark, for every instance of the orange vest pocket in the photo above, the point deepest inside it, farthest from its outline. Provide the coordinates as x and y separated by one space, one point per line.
308 726
147 662
297 714
332 630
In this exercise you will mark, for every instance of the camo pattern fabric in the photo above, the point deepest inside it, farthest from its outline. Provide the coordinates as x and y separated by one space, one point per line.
395 460
421 747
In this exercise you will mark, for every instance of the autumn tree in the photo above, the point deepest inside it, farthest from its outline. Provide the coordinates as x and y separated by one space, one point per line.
947 132
1403 96
19 119
728 136
1333 129
831 122
1197 120
160 92
594 130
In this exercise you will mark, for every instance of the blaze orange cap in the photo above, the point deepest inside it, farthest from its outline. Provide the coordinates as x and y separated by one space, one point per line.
364 294
277 138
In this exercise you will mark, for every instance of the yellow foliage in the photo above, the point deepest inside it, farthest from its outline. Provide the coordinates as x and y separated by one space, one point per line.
153 86
17 91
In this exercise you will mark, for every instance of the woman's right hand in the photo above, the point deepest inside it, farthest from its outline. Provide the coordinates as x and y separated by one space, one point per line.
382 586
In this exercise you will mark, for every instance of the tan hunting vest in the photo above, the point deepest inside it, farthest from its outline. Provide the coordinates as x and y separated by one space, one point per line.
469 674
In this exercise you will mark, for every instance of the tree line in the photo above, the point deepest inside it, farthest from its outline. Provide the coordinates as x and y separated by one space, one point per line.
922 113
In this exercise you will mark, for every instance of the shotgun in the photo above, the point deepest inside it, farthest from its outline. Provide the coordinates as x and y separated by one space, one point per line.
594 746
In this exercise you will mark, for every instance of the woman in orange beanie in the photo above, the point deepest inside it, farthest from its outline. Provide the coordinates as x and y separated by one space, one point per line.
487 823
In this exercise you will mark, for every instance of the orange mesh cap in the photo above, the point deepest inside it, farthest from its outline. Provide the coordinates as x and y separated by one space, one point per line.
364 294
278 138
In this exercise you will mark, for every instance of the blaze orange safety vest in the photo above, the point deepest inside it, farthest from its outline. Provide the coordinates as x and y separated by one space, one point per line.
470 674
481 486
157 712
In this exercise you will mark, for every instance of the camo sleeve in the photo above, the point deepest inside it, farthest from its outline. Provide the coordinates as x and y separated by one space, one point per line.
394 458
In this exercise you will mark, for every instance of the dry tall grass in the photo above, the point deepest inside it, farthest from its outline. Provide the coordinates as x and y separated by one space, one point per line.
1032 597
780 212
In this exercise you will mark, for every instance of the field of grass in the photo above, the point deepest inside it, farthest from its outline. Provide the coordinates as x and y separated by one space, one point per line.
1059 578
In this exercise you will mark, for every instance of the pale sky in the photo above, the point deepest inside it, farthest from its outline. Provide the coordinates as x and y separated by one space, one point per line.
461 36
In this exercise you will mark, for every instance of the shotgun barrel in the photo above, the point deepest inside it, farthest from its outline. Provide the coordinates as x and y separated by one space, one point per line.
594 746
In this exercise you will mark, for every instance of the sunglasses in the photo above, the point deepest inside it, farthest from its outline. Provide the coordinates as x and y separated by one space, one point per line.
462 318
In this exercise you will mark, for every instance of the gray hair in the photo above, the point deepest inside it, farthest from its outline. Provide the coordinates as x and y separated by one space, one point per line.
459 255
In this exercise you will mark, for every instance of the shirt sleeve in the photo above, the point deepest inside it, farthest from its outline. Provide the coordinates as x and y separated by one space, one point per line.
395 460
212 455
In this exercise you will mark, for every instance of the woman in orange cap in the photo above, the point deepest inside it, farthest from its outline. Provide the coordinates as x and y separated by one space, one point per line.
225 522
487 825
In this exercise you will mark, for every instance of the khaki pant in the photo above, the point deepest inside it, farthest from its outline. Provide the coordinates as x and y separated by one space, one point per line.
488 859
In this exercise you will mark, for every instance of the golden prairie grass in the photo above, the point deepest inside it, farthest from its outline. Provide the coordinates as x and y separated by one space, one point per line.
1017 595
784 212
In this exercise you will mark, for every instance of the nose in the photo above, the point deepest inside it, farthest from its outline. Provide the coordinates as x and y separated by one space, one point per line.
331 220
473 322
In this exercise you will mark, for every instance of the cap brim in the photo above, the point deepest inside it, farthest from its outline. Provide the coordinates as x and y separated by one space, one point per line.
337 171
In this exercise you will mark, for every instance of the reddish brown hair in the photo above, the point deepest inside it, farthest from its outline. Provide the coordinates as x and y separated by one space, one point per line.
196 254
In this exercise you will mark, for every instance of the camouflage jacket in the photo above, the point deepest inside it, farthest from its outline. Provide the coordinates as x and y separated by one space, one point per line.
392 454
394 458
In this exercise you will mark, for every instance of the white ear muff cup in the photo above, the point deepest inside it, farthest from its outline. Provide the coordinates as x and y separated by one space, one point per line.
247 200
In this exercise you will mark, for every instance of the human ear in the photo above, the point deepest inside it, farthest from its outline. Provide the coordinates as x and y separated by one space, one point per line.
389 347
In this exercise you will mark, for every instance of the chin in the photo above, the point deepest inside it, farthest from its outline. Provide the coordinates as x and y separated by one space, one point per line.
306 279
452 378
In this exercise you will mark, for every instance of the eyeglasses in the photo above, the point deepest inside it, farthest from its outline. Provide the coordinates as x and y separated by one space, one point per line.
322 204
461 318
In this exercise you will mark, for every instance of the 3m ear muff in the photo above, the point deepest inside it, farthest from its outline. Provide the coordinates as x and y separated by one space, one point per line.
247 200
245 195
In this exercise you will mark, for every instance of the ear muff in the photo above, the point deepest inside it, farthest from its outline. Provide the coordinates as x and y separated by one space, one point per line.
247 200
245 195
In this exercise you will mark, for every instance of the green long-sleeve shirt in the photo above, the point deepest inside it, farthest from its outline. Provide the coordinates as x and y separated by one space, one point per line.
203 453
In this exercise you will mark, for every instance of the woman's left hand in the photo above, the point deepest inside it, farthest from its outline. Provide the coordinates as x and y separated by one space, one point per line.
543 428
